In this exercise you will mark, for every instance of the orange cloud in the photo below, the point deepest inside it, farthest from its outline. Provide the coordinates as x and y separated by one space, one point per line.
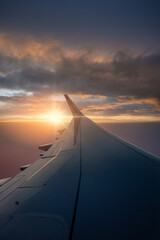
123 102
48 66
48 50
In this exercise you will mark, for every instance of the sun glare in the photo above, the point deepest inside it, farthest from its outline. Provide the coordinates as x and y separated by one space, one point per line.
55 117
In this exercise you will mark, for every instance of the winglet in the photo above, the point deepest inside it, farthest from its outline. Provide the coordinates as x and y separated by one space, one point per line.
75 111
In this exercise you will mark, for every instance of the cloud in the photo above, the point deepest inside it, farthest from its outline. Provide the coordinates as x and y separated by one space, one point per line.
51 68
28 107
44 68
119 106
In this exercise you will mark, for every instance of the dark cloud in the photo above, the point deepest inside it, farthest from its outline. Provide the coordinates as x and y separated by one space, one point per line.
124 75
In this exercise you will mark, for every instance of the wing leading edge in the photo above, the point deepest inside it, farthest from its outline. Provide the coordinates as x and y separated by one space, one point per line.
89 185
39 203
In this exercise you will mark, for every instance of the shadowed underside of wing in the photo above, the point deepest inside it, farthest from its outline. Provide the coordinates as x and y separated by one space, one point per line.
89 185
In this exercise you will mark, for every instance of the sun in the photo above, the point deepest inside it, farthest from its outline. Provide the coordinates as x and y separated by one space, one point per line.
55 117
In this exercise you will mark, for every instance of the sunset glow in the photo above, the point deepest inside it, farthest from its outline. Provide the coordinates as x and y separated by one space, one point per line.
108 75
55 117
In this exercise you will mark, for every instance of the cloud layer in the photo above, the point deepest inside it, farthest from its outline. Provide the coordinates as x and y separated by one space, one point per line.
44 68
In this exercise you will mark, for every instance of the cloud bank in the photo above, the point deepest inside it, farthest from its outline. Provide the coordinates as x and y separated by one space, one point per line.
44 68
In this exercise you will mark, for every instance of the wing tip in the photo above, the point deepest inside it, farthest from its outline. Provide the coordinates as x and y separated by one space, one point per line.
74 109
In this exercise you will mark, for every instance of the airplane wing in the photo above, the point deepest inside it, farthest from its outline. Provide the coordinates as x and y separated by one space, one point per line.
90 184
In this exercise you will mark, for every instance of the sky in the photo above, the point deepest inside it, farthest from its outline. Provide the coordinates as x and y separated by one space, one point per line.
104 54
